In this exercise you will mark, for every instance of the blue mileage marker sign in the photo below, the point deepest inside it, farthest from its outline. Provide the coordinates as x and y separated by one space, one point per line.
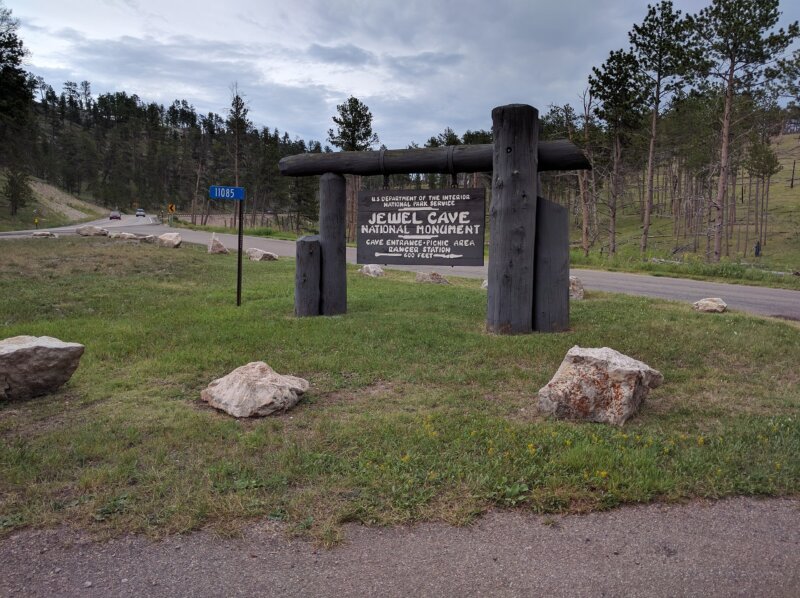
218 192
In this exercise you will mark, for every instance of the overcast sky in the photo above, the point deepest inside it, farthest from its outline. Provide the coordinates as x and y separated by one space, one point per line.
420 65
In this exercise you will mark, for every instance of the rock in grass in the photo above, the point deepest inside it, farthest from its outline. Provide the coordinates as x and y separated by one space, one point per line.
371 270
45 234
598 385
710 305
31 366
172 240
485 285
216 246
254 389
575 288
91 231
431 278
259 255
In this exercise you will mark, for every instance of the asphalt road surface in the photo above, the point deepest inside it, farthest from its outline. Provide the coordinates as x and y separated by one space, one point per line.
781 303
738 547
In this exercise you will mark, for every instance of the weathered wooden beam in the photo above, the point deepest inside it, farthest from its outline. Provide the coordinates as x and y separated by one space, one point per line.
552 155
512 220
332 222
307 277
551 272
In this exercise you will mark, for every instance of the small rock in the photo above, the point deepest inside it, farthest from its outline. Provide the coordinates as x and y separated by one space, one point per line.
171 240
259 255
599 385
216 246
575 288
254 389
148 239
710 305
431 278
485 285
91 231
87 584
31 366
372 270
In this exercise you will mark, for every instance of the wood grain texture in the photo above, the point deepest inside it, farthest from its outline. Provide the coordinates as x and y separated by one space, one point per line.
512 220
551 272
307 277
552 155
332 231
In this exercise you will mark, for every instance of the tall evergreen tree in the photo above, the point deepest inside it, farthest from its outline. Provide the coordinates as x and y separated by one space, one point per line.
618 86
662 48
353 134
16 93
743 54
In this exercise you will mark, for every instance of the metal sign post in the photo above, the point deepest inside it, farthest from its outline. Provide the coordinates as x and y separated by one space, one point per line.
234 194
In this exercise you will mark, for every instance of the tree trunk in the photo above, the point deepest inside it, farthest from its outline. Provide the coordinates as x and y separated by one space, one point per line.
724 159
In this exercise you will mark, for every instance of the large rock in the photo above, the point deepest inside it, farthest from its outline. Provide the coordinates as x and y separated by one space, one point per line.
259 255
254 389
44 233
599 385
371 270
123 236
216 246
171 240
91 231
710 304
575 288
431 278
31 366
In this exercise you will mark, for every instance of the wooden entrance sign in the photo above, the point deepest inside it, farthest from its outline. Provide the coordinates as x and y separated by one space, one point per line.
529 236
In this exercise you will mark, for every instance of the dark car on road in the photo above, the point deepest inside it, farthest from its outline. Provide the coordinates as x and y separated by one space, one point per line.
114 215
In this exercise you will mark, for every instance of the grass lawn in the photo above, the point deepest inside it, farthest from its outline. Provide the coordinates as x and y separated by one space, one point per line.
414 412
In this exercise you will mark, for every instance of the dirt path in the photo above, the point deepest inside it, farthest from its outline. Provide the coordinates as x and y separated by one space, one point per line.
55 200
737 547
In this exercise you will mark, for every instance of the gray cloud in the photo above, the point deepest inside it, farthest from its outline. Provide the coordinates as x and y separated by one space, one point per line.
419 66
346 55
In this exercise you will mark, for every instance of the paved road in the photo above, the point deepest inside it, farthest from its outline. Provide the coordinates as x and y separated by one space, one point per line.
760 300
781 303
738 547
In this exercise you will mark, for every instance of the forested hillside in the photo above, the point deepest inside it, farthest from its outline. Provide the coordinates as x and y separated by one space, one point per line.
693 132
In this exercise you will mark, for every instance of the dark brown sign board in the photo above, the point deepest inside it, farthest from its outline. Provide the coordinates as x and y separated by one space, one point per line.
434 227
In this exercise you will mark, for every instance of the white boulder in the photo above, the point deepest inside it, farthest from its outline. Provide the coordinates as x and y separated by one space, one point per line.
44 234
371 270
485 285
710 305
31 366
91 231
599 385
254 389
171 240
431 278
575 288
259 255
216 246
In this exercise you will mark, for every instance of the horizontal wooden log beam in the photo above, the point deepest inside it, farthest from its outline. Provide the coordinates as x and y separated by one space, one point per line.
553 155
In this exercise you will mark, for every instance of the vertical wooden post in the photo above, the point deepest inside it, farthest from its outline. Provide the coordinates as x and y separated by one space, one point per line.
307 277
512 219
551 274
332 231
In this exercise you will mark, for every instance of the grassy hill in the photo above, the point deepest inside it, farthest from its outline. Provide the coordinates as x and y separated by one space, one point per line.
781 252
52 206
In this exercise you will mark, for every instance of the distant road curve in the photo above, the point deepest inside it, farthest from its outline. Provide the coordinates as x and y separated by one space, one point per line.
780 303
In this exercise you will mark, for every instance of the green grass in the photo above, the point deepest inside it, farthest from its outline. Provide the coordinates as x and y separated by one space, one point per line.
258 231
414 412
